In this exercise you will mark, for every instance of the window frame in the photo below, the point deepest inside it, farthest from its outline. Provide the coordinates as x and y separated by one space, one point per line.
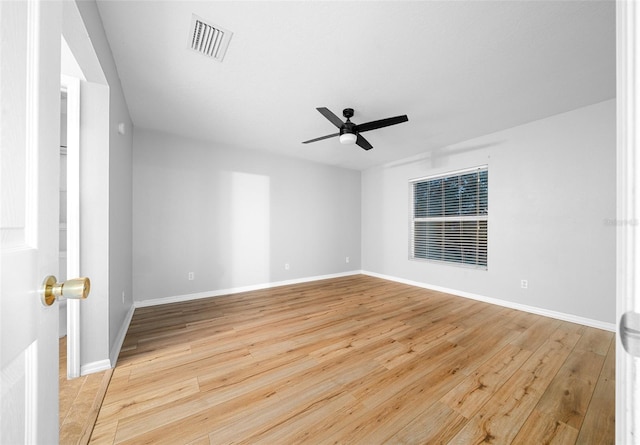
478 217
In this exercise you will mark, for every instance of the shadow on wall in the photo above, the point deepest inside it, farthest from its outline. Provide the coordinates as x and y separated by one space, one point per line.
434 158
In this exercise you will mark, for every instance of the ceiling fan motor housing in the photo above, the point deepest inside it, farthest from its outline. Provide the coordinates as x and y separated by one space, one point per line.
348 127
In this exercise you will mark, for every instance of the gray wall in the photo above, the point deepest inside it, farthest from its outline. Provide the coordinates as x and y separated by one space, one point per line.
235 218
552 195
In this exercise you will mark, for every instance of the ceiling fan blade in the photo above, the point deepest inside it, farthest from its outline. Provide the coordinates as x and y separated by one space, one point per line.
322 137
362 142
335 120
373 125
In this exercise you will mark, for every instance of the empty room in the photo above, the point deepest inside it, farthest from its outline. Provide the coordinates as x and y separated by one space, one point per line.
315 222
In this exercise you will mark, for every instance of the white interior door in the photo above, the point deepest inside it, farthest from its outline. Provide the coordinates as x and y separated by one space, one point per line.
29 137
628 219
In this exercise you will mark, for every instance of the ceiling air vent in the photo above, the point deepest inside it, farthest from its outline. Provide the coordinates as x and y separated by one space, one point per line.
208 39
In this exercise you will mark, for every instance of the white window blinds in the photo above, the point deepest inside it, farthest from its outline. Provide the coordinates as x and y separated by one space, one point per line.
449 217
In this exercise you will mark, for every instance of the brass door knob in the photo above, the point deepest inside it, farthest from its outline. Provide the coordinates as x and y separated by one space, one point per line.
76 288
630 332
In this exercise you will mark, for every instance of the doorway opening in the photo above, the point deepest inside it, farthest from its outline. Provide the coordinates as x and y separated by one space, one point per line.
62 244
69 209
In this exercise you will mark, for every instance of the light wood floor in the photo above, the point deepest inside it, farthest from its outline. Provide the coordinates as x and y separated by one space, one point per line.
80 401
357 360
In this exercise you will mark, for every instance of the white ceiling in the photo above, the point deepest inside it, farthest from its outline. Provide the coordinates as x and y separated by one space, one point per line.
458 69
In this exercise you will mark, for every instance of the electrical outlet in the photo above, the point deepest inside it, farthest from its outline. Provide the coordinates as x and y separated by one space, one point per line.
346 260
191 276
524 284
286 266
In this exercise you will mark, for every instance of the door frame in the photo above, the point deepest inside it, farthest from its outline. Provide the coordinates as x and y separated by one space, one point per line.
71 85
94 184
628 215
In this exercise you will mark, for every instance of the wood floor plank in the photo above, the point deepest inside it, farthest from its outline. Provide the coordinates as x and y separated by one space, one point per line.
567 397
501 418
537 333
599 423
80 401
374 391
104 432
359 360
189 365
68 393
595 340
470 395
436 424
542 428
144 401
384 421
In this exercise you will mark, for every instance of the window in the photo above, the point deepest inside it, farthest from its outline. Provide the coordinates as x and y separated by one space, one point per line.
449 217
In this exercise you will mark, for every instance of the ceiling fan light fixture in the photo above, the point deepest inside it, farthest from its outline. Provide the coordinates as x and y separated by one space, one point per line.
348 138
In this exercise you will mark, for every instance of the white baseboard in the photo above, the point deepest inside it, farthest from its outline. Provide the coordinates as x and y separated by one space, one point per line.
90 368
518 306
103 365
521 307
237 290
117 346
